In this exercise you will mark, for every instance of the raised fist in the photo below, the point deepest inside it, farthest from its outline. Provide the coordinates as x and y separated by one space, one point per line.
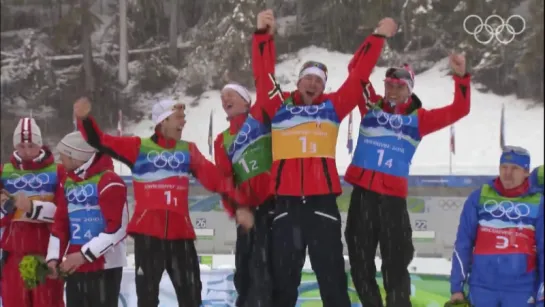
82 108
245 218
458 64
265 20
386 27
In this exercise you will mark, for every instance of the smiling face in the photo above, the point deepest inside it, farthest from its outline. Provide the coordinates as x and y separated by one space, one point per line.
310 87
396 91
172 126
233 104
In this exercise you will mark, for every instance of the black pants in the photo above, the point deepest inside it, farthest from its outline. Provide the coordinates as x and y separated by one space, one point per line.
314 223
252 261
94 289
179 258
374 218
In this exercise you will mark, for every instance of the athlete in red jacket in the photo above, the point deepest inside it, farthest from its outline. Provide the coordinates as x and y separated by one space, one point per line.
161 226
31 174
91 219
244 152
390 130
304 176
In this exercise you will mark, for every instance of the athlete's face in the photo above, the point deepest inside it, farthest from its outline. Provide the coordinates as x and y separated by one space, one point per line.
69 163
172 126
512 175
28 151
310 87
396 92
233 104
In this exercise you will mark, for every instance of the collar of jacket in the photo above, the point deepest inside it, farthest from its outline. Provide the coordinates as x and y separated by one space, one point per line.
236 122
162 141
97 164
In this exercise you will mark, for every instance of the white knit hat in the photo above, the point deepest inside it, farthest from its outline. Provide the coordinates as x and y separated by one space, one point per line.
27 131
163 109
74 145
241 90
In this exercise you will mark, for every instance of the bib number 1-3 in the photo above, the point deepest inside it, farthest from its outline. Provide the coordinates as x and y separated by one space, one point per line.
381 161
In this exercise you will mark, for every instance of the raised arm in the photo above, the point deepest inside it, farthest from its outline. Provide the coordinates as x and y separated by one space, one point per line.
361 66
465 241
122 148
269 95
436 119
112 200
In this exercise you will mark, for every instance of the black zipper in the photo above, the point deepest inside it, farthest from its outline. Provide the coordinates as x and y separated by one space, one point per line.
166 223
302 178
371 181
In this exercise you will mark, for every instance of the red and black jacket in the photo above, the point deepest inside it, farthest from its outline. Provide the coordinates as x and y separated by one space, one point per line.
157 223
23 238
313 176
112 200
429 122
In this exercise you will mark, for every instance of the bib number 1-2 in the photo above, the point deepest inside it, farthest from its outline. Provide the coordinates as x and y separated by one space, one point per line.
249 166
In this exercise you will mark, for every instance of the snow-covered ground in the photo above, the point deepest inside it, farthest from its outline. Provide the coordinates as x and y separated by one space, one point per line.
477 135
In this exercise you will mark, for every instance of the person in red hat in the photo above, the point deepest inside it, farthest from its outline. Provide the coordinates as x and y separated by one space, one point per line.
34 179
390 130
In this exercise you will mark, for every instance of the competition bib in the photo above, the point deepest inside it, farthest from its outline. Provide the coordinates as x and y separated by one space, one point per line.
249 150
84 214
305 131
387 142
161 177
506 225
37 185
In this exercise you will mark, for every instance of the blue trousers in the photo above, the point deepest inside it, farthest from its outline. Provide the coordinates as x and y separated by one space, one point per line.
483 297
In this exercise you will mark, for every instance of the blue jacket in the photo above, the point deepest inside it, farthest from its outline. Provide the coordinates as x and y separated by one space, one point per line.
485 254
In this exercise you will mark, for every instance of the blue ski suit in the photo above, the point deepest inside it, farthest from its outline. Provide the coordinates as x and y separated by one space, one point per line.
499 249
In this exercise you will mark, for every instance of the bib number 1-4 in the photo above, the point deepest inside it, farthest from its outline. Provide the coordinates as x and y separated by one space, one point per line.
388 163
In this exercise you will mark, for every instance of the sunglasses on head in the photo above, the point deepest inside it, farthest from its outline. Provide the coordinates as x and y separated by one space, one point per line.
398 73
516 150
318 65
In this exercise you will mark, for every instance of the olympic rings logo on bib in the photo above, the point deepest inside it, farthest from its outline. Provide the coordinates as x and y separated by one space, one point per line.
164 158
34 181
241 138
395 121
513 211
80 194
308 110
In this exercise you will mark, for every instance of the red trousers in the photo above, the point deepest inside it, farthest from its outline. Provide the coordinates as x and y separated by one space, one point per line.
14 293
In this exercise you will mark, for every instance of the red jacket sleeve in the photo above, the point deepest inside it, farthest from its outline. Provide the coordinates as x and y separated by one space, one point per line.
122 148
4 218
269 94
212 178
225 167
60 230
436 119
360 68
112 201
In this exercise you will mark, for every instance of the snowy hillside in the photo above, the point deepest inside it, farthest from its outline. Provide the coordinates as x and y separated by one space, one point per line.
477 135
